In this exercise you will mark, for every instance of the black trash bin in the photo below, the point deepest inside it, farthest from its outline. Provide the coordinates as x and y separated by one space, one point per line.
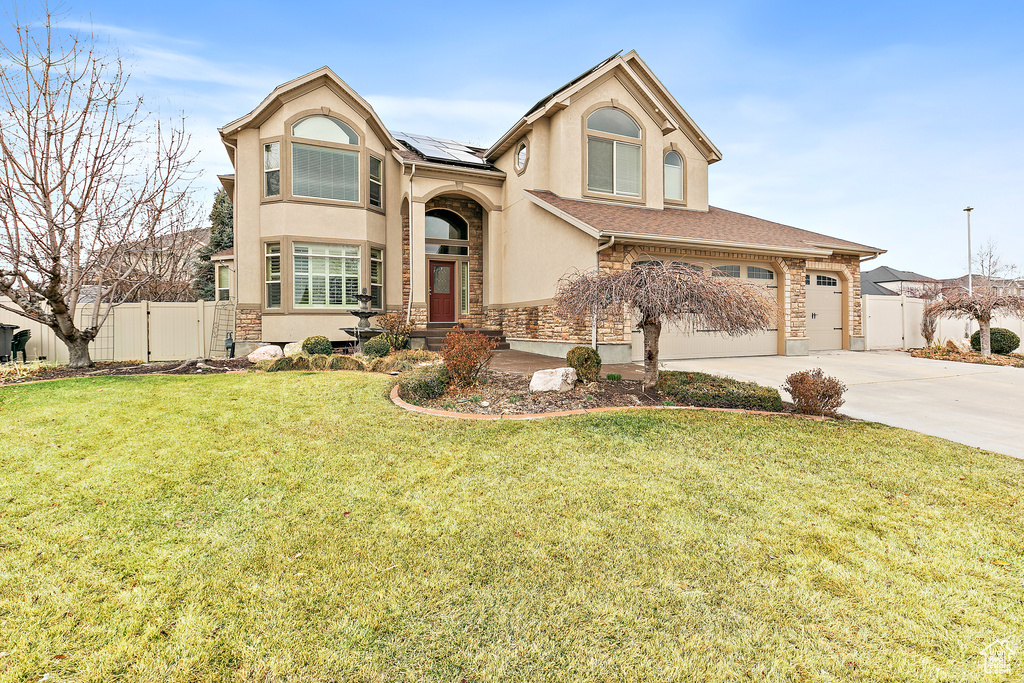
6 334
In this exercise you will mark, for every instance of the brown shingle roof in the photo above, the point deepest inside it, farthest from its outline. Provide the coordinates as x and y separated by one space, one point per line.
230 251
717 225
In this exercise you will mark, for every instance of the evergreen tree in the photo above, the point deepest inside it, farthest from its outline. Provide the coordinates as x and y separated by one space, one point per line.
221 237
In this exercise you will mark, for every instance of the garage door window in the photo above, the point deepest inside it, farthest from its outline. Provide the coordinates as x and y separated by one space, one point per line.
727 271
755 273
826 281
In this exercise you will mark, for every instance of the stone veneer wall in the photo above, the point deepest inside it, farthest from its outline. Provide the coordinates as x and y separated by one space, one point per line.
248 324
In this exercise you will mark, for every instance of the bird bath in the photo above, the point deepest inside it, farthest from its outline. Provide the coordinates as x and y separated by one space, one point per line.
364 313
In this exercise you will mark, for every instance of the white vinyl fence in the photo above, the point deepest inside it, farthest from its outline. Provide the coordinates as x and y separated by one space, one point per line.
894 322
146 331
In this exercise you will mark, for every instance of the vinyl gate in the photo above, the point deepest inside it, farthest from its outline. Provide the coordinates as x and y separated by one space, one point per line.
894 322
147 331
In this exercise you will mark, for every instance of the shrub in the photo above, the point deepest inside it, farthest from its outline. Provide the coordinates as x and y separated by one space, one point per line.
814 393
418 356
301 362
376 347
280 364
613 377
346 363
465 354
421 384
710 391
317 345
320 361
1003 341
265 364
396 330
585 361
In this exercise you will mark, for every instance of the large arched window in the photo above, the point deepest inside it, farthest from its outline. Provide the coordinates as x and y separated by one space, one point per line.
614 153
446 232
674 176
321 171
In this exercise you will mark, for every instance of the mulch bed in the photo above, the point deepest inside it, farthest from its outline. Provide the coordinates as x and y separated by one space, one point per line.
509 394
1015 360
130 369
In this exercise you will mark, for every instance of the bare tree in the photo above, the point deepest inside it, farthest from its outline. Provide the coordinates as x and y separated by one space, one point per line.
929 320
993 293
89 185
675 293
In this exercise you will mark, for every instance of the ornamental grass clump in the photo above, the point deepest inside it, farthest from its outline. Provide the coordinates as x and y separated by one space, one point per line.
317 345
815 393
320 361
278 364
585 361
465 355
346 363
423 384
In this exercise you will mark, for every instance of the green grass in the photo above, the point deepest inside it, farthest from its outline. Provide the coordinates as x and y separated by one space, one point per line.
297 526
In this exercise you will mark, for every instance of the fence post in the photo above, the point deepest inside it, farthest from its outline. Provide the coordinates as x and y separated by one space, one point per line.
201 332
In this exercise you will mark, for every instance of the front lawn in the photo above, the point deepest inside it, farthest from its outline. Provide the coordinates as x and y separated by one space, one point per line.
298 526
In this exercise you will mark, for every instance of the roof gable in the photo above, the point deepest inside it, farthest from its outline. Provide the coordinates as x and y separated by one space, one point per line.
649 92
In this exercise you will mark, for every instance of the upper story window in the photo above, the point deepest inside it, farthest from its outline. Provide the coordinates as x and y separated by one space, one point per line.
376 182
446 233
614 153
522 156
674 176
325 172
272 169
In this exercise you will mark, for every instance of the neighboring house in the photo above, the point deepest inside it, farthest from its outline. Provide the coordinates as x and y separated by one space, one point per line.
222 274
606 171
889 281
1001 285
156 269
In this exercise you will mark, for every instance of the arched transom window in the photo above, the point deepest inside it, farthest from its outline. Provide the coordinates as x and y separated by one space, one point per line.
614 153
322 171
446 233
674 176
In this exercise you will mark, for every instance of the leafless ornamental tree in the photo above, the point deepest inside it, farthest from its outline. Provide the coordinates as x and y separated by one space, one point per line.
90 187
994 293
673 293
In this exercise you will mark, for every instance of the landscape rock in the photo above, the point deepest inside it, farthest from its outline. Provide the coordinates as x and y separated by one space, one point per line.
293 349
558 379
959 345
269 352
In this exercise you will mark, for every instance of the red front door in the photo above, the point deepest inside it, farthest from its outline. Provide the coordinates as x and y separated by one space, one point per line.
442 291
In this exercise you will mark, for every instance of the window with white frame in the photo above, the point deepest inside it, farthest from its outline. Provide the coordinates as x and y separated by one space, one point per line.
674 176
325 276
464 288
726 271
826 281
272 169
755 273
377 278
223 283
614 153
273 274
376 182
325 172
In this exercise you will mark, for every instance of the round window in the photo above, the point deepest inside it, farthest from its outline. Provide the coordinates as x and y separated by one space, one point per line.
522 154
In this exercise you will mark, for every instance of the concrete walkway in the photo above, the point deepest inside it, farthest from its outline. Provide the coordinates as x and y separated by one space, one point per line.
976 405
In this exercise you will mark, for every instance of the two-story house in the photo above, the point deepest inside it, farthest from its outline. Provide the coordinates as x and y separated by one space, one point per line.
606 171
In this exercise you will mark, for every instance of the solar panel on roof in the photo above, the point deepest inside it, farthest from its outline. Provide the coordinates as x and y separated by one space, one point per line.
436 153
465 156
439 149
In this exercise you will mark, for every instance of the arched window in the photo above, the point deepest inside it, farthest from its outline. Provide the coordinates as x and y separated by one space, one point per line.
325 172
674 176
446 232
614 160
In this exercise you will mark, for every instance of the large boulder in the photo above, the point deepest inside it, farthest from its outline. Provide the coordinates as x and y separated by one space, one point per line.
269 352
958 345
293 349
559 379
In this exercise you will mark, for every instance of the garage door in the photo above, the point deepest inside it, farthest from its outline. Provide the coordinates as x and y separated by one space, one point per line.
824 311
676 344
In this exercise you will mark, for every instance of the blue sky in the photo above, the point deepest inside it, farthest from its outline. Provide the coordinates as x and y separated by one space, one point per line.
875 122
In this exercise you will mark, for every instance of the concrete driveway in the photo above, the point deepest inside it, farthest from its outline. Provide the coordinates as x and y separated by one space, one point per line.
976 405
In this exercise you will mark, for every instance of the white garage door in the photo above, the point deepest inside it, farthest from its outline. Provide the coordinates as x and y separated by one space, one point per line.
676 344
824 311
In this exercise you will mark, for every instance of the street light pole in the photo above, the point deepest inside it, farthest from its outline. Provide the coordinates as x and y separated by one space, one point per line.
970 270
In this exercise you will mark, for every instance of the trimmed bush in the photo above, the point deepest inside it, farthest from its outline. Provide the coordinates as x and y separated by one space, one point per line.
320 361
346 363
1003 341
465 355
585 361
421 384
317 345
280 364
710 391
814 393
376 347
